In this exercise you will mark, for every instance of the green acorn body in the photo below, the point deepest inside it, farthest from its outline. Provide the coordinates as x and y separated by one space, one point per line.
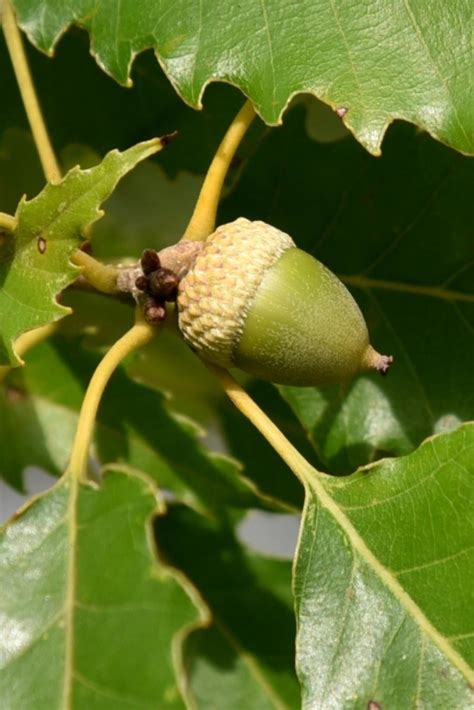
253 300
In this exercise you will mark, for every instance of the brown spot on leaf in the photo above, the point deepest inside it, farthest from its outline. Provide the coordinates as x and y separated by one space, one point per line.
373 705
14 394
41 243
341 111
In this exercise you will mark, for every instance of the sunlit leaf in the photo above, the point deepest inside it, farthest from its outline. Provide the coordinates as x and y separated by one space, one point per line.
383 582
359 59
34 258
89 617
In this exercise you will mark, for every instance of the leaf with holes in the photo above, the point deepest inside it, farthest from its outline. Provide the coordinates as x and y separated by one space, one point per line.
89 617
360 59
34 258
383 582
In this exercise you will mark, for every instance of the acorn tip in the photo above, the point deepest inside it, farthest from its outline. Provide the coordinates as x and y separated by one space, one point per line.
383 365
375 361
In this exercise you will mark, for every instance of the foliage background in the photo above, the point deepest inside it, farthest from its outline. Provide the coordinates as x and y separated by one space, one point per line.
398 230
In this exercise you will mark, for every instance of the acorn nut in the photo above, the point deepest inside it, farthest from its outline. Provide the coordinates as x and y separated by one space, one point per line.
253 300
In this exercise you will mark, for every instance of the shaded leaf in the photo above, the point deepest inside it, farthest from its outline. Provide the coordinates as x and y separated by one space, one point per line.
34 259
398 232
148 210
82 105
165 364
134 427
353 58
382 582
89 617
20 169
322 124
246 658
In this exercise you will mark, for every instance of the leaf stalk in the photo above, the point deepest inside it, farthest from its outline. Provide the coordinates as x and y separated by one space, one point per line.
445 294
18 58
302 469
102 276
27 341
203 220
140 334
7 221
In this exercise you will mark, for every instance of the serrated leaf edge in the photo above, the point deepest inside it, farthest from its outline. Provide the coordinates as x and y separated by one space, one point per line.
371 140
204 618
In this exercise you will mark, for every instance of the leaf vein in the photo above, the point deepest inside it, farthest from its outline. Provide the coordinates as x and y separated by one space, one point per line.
433 563
108 693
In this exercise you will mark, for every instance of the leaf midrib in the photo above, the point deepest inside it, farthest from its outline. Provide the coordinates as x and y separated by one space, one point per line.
313 484
69 601
360 281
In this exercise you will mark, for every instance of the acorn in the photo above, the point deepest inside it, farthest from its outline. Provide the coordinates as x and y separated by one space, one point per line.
253 300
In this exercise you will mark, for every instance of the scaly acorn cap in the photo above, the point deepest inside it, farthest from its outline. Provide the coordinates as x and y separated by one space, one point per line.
254 300
215 296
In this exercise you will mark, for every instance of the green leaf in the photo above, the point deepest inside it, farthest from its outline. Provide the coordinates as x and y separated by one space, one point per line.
397 230
358 60
148 210
83 105
89 617
34 259
166 364
383 582
39 412
246 658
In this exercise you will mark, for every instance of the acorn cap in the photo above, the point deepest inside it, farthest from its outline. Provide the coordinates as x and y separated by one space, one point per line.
215 297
